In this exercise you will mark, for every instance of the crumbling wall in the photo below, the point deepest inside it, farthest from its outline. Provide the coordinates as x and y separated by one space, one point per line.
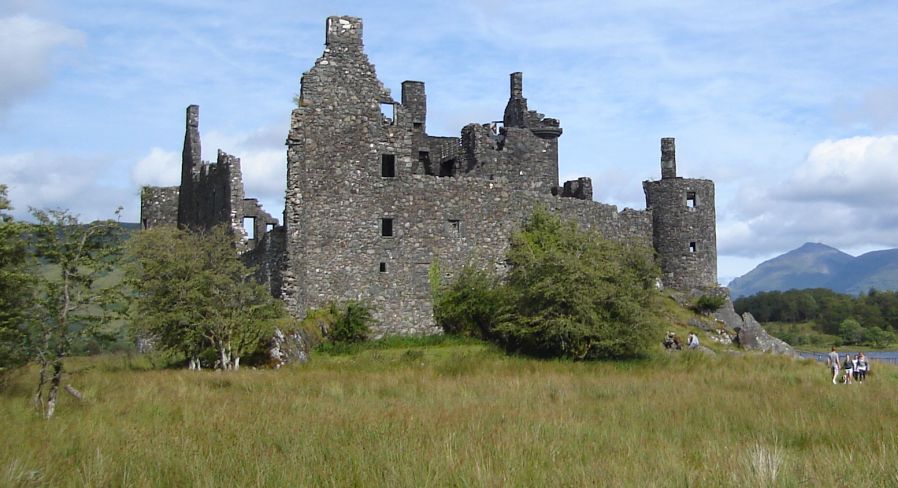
684 225
158 206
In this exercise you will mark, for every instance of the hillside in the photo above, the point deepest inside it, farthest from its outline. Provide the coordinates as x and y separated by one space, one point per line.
816 265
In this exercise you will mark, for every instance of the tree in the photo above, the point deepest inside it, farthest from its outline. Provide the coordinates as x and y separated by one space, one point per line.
573 293
69 301
15 288
851 331
191 293
469 305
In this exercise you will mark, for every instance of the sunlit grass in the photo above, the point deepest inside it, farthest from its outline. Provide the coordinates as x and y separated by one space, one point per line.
458 415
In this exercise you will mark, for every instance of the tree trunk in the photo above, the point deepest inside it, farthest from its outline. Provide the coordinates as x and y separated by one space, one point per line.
39 392
75 393
237 363
54 388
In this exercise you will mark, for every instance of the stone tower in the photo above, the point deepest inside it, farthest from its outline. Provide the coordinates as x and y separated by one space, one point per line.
683 225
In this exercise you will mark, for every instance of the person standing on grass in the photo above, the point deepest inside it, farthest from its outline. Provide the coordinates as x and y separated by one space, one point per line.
833 360
849 368
862 367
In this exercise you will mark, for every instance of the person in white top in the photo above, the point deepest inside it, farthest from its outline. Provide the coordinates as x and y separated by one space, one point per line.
833 361
848 368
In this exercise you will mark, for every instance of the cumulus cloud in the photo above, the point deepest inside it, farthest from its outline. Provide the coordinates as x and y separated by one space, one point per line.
48 180
27 45
843 194
158 168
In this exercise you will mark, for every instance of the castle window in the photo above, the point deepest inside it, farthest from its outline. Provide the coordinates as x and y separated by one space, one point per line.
383 267
388 110
690 199
388 165
269 227
692 247
455 228
447 168
386 227
249 225
417 125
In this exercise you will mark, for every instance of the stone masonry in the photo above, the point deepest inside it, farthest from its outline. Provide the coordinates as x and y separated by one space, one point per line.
373 202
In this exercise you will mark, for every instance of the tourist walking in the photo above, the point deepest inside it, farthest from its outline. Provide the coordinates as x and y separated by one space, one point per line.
833 360
862 367
848 367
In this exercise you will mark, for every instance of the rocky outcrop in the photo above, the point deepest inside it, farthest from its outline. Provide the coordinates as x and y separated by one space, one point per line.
292 347
750 335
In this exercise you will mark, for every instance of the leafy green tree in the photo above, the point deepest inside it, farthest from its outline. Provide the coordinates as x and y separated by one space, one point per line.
851 331
69 301
573 293
15 288
192 293
351 322
879 338
469 305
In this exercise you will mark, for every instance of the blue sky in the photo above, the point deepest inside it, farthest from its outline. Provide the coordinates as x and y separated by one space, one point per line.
791 107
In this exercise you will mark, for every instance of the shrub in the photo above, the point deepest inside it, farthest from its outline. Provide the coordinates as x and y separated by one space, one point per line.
708 303
469 305
351 322
572 293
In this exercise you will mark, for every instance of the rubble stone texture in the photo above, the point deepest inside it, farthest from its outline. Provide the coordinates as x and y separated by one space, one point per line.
374 203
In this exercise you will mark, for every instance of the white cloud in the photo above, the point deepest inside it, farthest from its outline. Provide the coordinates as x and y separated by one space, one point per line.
158 168
843 195
27 46
48 180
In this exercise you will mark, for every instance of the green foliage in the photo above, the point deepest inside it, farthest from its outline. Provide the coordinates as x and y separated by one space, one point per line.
708 303
71 301
16 285
575 294
828 311
192 294
470 305
351 322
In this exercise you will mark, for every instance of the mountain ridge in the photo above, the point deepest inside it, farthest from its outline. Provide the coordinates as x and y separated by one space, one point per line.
817 265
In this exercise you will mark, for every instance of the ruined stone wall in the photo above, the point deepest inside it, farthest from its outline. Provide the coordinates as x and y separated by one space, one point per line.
158 206
684 225
268 257
450 221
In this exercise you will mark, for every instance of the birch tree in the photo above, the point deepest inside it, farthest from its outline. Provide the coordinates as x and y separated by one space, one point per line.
68 299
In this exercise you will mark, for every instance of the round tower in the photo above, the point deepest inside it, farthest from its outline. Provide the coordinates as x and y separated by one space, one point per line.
684 228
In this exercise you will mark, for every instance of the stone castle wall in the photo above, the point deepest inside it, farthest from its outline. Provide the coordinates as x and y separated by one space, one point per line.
373 202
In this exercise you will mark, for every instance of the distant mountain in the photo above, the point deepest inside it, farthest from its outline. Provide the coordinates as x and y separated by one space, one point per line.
815 265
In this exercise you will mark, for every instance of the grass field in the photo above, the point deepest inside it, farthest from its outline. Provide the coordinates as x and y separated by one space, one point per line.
458 415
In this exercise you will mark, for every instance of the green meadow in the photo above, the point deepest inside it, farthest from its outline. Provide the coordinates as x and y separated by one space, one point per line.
457 413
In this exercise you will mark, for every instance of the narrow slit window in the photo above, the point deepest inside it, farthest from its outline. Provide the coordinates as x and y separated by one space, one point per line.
690 199
455 227
249 225
388 166
692 247
388 110
386 227
383 267
417 125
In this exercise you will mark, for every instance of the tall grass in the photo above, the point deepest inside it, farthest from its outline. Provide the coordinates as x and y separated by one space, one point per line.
458 415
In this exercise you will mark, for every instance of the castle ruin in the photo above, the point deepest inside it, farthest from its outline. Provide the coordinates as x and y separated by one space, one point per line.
373 202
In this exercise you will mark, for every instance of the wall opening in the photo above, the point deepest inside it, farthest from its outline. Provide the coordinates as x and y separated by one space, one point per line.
388 165
269 227
424 161
455 228
249 226
417 125
447 168
145 224
692 247
386 227
388 110
690 199
383 267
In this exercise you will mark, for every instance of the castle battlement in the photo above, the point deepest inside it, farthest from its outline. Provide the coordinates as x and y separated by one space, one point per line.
373 202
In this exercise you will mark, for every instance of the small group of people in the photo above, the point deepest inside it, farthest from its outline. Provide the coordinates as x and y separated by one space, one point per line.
852 369
673 342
